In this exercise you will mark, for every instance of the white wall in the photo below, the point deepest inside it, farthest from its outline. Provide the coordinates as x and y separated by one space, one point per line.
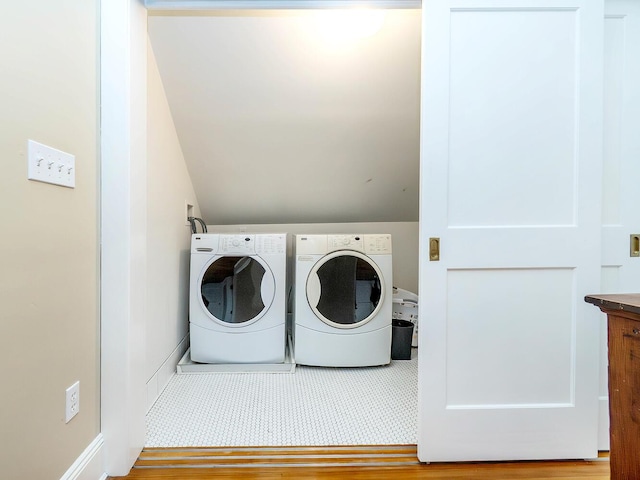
330 121
404 237
168 239
49 327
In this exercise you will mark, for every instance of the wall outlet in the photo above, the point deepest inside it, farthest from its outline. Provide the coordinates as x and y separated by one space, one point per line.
72 403
46 164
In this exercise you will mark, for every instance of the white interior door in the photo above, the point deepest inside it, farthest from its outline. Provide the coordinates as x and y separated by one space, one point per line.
511 184
621 176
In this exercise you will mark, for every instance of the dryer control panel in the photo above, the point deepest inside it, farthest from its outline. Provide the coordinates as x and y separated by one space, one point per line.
242 244
371 244
350 242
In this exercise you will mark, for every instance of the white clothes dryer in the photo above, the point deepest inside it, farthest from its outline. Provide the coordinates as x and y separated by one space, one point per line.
237 298
343 300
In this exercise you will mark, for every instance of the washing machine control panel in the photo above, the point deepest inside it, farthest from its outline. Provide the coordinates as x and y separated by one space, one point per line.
273 244
377 244
242 244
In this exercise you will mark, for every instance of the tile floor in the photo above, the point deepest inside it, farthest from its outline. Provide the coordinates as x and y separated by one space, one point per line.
312 406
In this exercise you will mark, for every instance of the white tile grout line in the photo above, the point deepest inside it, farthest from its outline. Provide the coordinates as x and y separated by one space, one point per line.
312 407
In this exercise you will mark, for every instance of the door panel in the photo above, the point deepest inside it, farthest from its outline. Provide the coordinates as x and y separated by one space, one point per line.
512 109
487 381
621 175
511 184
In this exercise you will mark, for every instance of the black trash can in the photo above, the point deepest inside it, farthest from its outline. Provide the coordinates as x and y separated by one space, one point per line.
401 335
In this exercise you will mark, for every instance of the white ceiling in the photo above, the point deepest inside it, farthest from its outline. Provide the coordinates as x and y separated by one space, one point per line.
280 125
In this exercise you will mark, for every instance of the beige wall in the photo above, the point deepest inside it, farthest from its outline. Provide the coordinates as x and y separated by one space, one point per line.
168 239
49 328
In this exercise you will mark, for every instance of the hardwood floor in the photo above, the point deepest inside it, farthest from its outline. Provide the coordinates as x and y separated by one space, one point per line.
395 462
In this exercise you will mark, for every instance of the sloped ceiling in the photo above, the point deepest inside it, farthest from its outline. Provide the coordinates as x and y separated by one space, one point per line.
281 125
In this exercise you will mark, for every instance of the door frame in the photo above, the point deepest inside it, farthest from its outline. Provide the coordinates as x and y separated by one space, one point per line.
123 93
123 220
123 44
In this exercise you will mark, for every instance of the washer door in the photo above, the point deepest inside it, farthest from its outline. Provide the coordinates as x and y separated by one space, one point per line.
345 289
236 291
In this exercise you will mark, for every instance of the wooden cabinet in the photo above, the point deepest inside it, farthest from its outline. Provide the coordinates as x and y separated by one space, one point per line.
623 322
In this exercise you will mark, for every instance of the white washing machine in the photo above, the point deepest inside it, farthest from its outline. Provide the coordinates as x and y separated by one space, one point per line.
343 300
237 298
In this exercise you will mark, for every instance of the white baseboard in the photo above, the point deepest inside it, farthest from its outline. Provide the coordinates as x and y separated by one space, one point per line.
159 380
603 423
88 466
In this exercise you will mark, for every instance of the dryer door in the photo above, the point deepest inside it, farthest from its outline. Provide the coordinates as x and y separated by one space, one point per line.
236 290
345 289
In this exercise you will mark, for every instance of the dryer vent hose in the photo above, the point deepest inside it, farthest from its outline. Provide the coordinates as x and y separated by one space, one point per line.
193 220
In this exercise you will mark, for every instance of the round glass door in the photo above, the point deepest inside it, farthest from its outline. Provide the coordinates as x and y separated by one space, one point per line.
344 289
231 289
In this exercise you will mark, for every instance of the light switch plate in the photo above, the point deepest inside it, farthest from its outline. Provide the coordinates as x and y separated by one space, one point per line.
46 164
